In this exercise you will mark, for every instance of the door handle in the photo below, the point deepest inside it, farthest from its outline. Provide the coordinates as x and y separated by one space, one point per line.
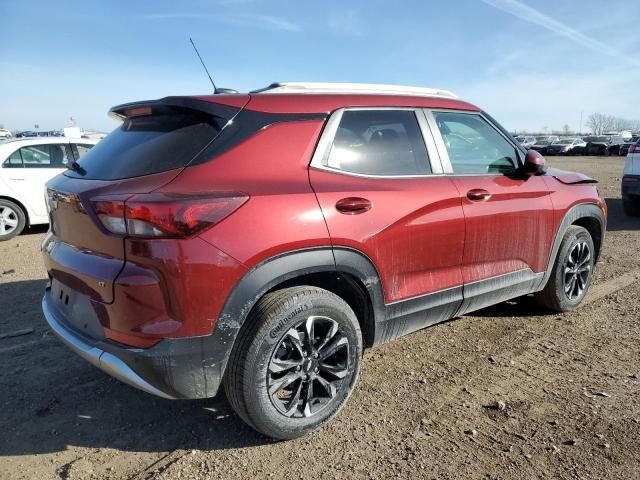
478 195
16 178
353 205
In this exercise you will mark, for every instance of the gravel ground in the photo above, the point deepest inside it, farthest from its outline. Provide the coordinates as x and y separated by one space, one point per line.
509 392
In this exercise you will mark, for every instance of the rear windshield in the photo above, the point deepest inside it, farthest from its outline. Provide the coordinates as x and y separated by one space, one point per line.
150 144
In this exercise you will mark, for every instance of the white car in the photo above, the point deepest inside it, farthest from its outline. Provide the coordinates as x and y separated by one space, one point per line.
5 133
25 166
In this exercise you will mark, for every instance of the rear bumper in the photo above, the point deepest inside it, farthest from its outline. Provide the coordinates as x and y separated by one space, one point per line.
631 189
174 368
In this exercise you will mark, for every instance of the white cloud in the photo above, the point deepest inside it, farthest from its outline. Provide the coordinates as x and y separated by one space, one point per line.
524 12
252 20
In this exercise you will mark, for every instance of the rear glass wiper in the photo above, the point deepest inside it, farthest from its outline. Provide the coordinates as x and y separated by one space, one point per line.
75 167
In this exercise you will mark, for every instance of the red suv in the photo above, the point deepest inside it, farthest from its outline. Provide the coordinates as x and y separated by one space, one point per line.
262 240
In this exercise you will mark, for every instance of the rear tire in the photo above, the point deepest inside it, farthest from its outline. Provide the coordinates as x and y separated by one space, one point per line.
631 207
277 380
12 220
572 272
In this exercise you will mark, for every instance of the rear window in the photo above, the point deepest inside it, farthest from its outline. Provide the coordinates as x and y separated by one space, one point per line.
379 142
150 144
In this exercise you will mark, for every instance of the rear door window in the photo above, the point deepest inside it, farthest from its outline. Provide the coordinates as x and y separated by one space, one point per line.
150 144
14 160
379 143
43 156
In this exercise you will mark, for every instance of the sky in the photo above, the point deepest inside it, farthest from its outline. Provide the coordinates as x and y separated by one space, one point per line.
531 64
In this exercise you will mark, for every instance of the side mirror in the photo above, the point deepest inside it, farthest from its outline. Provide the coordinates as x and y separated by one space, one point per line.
534 163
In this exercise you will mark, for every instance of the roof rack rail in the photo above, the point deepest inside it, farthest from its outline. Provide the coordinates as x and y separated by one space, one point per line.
353 88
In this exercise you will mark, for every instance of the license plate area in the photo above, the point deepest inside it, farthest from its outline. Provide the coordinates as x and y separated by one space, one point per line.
77 309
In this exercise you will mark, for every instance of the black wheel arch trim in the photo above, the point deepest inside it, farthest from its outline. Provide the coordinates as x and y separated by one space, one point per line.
287 266
575 213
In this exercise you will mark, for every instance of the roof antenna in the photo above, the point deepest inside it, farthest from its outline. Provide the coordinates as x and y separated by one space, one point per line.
215 89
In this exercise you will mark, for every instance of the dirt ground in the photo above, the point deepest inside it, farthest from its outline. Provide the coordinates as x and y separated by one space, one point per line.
509 392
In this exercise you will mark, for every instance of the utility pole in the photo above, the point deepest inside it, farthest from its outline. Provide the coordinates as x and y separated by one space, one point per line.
580 131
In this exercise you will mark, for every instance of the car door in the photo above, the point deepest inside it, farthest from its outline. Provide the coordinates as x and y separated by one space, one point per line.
508 216
381 191
40 163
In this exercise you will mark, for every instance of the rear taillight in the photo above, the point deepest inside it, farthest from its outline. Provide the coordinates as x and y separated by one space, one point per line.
634 148
160 215
631 179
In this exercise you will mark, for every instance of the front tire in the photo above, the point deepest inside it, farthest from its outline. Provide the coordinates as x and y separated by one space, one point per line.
572 272
295 362
12 220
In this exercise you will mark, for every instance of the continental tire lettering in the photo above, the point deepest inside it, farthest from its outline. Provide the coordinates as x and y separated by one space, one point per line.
275 333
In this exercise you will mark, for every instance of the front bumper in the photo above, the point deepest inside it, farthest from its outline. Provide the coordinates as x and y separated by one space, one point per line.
174 368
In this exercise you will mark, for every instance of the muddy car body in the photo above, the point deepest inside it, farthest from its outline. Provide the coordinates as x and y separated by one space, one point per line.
263 240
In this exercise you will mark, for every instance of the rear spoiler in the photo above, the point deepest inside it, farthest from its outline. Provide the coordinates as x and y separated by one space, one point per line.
226 110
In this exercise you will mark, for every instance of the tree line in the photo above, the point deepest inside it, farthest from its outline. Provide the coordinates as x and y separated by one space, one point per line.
600 123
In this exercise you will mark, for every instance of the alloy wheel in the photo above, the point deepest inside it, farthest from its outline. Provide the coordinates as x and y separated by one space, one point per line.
308 366
577 271
8 220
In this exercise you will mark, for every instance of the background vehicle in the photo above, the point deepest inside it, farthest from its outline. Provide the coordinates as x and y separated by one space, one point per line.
565 146
624 148
25 167
5 133
597 145
526 141
631 181
265 253
616 142
541 145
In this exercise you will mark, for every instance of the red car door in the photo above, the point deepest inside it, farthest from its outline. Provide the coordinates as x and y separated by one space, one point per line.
381 195
508 216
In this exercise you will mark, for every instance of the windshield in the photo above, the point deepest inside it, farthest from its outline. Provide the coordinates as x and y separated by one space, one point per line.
597 139
567 141
543 143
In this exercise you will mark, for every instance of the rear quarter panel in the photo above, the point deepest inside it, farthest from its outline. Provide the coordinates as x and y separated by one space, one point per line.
282 213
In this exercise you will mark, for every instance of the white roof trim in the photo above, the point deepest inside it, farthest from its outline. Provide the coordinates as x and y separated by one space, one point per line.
354 88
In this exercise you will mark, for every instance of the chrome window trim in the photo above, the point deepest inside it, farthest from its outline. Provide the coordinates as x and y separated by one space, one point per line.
428 137
443 154
323 149
442 149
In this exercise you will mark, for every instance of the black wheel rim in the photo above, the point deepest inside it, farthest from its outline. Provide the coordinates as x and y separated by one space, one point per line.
577 271
308 367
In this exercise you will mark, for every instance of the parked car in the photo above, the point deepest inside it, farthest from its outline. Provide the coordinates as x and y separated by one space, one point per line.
26 134
631 181
597 145
5 133
526 141
541 146
616 142
565 146
266 252
624 148
26 165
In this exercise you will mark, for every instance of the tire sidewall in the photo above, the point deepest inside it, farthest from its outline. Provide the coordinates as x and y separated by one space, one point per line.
21 220
580 234
260 408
